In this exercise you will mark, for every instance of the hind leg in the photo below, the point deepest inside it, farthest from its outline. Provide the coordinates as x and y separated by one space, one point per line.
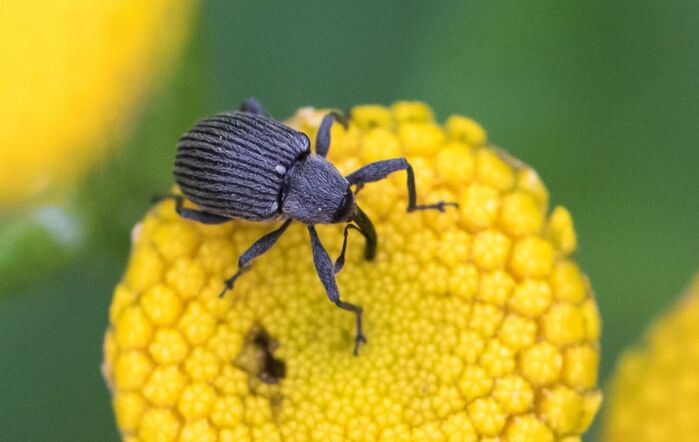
200 216
323 135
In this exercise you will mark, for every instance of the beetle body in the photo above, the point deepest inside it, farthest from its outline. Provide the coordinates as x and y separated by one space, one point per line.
235 164
247 165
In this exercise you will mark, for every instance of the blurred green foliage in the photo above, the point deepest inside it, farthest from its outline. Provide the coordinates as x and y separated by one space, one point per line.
35 243
601 98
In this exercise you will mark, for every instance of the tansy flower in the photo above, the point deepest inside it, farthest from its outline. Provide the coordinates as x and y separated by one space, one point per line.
480 324
654 394
69 72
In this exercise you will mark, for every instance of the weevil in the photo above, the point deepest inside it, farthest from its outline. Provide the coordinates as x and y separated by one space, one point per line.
247 165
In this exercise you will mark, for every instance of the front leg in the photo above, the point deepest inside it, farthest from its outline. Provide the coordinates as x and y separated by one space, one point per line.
379 170
340 261
326 273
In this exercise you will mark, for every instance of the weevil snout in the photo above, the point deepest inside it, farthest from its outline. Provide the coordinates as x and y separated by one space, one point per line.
347 210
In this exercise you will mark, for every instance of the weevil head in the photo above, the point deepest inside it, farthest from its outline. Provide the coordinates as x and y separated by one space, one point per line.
316 193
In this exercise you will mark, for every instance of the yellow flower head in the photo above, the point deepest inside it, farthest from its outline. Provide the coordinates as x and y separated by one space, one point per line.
480 325
654 394
69 72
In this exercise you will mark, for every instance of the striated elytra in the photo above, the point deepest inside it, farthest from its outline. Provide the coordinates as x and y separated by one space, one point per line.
247 165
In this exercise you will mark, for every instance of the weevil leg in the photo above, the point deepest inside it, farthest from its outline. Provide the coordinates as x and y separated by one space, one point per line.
381 169
258 248
323 135
326 273
366 228
253 106
200 216
340 261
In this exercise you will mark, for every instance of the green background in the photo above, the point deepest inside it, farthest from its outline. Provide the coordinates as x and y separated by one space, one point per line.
602 98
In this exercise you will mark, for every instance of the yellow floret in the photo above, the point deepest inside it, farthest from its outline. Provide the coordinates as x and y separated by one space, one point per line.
161 304
480 324
521 215
164 386
196 400
531 297
528 428
563 235
532 257
561 408
479 206
517 332
129 408
168 347
654 394
420 138
514 394
158 424
368 116
568 282
487 416
541 363
493 170
198 431
70 73
131 368
133 328
379 144
491 249
454 162
466 130
415 111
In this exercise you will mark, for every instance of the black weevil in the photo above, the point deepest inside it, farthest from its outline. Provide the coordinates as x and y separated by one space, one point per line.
248 165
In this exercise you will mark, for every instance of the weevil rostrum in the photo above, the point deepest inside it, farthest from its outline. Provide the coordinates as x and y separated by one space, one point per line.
247 165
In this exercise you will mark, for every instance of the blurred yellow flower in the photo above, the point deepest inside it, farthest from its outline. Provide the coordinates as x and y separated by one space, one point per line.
480 324
70 71
654 394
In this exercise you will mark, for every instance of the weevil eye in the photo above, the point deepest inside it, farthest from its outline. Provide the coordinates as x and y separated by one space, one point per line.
345 210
